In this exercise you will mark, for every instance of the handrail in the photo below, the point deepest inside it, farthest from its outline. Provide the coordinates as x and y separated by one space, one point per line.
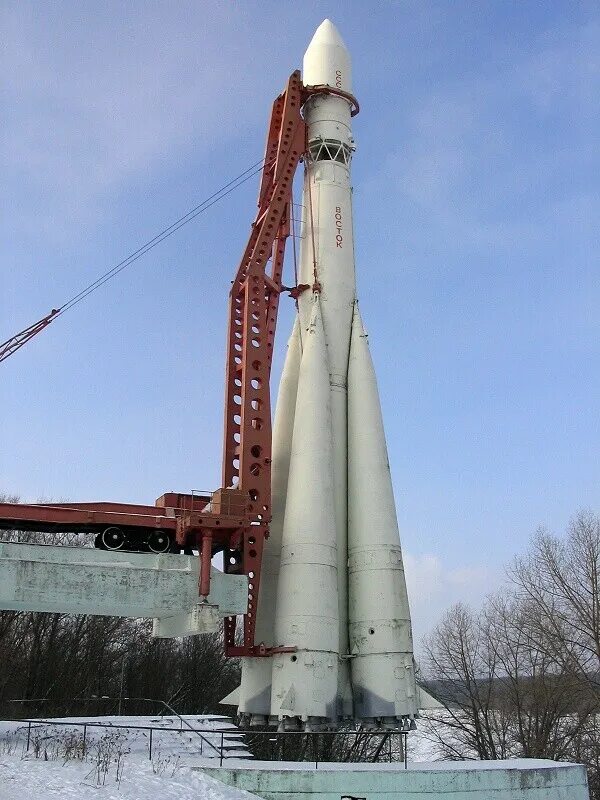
169 708
182 720
223 732
92 724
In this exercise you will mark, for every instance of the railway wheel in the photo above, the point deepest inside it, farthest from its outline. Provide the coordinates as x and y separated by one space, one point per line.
112 539
159 542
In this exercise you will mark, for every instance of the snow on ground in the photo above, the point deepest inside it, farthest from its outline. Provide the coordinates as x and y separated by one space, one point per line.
116 765
419 745
31 779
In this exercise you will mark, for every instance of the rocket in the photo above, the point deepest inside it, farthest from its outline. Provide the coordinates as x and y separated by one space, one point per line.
332 581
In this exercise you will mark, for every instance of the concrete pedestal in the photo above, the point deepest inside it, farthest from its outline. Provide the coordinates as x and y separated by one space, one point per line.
523 779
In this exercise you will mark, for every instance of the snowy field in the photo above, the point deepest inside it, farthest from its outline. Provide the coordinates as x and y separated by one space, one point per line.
114 763
52 780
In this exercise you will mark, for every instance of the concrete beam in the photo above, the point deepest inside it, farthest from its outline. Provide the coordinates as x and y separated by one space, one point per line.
77 580
521 779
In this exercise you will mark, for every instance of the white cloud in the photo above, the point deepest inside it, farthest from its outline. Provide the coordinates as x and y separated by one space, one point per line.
487 158
92 96
433 587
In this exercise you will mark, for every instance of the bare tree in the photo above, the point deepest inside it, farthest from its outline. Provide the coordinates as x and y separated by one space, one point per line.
560 580
533 695
504 695
463 665
521 677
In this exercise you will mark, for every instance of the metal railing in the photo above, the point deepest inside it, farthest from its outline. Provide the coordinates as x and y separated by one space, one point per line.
310 749
185 722
222 733
319 748
229 502
124 698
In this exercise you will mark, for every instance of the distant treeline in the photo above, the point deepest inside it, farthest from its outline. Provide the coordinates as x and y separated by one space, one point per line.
83 666
69 665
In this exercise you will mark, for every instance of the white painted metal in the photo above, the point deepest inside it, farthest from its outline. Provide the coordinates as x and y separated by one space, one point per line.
339 493
305 682
327 256
327 60
426 701
255 688
75 580
381 644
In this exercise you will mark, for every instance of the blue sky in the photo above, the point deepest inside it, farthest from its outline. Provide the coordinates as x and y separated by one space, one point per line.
476 221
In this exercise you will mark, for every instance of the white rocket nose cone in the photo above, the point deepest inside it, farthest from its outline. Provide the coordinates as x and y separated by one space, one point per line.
327 60
327 33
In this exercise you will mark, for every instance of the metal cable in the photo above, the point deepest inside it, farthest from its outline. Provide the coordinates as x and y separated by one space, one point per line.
244 176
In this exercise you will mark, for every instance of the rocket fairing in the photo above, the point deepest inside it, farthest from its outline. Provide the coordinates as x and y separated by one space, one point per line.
381 647
305 683
333 582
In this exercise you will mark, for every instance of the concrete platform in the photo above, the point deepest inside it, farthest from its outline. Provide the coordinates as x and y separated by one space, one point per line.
78 580
523 779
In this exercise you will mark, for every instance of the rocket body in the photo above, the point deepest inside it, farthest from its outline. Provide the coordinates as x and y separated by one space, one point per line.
381 647
333 582
304 688
327 261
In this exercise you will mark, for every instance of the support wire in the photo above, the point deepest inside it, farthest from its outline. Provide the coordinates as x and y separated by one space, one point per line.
17 341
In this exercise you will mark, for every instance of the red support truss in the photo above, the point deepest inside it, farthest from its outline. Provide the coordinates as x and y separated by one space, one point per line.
253 304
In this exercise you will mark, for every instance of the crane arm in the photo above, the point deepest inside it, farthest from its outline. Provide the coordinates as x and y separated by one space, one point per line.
17 341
